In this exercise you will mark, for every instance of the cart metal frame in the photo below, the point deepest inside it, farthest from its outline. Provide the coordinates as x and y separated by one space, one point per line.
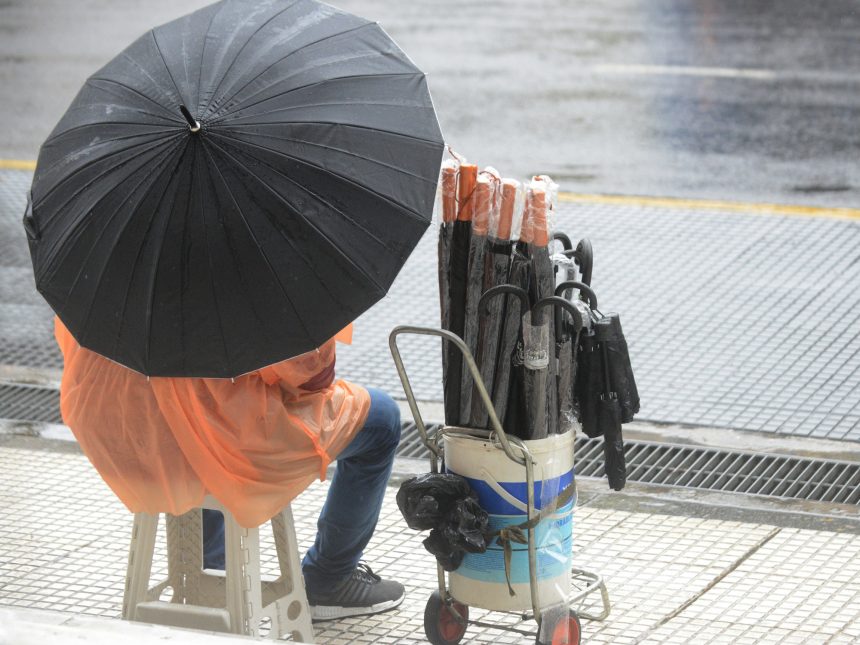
517 452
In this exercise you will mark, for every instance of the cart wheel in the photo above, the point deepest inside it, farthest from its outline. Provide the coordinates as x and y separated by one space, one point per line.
441 624
560 628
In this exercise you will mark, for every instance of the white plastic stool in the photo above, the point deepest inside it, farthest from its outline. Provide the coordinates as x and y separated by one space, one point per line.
235 600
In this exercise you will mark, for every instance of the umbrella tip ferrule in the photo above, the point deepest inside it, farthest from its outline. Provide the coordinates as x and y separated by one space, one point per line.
193 124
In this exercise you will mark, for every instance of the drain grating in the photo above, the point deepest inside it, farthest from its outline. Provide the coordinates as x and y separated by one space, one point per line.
30 403
821 480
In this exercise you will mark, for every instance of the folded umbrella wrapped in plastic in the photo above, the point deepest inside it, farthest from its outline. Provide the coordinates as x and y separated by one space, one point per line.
496 263
483 203
457 279
447 211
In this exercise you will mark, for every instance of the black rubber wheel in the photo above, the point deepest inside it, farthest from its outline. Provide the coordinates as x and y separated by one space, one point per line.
560 628
441 625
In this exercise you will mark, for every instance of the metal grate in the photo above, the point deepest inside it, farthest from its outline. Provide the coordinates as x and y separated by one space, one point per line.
30 403
785 476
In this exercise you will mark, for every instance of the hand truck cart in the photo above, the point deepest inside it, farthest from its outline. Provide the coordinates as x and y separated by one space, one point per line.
446 617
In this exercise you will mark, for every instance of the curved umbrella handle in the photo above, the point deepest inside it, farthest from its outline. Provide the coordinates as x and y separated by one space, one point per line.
558 301
585 259
503 288
564 239
583 288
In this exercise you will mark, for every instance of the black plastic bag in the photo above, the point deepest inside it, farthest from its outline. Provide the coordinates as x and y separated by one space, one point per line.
461 531
426 500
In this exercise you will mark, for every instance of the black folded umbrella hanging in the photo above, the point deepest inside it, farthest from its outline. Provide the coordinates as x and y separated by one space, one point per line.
617 359
234 188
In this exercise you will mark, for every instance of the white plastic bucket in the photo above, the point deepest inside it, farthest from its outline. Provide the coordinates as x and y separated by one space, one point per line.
500 484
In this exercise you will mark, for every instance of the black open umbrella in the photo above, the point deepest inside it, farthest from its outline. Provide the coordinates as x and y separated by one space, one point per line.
234 188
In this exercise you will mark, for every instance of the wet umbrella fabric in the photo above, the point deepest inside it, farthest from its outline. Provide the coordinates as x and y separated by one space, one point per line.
253 225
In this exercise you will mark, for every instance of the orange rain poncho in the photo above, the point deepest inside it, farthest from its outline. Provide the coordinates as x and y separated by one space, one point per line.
254 442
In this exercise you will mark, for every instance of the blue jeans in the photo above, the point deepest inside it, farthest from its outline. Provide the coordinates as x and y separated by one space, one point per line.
349 515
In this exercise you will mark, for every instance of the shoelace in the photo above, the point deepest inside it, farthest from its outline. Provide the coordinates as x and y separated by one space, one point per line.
364 573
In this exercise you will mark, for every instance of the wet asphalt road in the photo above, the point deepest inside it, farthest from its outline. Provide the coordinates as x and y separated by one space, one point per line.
726 99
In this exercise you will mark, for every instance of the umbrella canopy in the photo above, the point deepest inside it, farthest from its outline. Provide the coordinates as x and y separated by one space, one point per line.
234 188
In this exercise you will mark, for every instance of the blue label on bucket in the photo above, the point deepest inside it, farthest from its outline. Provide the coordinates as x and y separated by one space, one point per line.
495 504
554 542
553 535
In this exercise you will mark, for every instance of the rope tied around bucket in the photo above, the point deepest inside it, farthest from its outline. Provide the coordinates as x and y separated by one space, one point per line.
505 536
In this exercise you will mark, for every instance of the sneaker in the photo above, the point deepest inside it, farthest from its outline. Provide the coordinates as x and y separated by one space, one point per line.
363 592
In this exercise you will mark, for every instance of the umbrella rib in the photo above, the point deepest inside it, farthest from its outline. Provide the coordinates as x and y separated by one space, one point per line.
157 130
139 252
153 276
257 242
362 103
63 242
283 58
203 211
346 152
242 48
170 117
334 246
162 169
304 87
203 58
320 198
166 67
90 163
347 180
440 144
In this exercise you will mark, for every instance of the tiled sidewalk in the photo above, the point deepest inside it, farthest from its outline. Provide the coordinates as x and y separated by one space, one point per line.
671 578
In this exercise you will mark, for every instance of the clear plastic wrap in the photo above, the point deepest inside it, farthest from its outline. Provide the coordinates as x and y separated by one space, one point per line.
542 285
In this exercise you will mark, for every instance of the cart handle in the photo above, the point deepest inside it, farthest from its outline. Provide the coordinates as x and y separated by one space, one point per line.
476 375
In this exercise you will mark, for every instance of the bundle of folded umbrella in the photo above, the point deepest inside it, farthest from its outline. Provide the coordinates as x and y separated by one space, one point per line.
516 291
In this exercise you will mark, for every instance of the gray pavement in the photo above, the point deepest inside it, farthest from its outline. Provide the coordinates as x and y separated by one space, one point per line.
734 320
679 569
731 99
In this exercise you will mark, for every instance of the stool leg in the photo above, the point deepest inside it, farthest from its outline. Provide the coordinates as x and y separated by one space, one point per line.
293 609
244 593
185 555
139 562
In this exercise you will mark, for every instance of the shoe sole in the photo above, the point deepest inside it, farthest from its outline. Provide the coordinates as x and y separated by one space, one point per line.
320 613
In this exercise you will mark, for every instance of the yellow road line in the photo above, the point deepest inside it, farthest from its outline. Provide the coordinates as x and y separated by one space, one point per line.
713 204
17 164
